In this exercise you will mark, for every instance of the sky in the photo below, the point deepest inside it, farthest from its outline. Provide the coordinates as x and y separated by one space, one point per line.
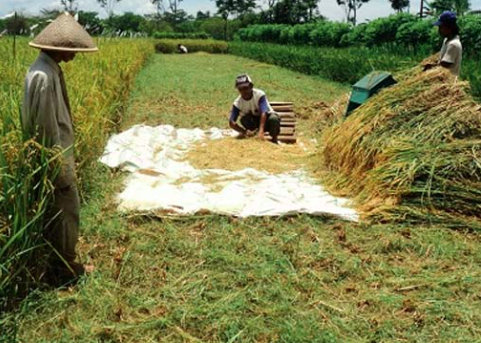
328 8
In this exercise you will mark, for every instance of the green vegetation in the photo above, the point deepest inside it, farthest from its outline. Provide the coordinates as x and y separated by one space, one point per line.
181 35
342 65
348 64
217 279
405 30
26 170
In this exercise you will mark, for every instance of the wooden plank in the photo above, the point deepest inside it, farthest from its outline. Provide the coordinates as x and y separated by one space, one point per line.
286 131
287 139
288 120
287 115
283 108
280 103
283 136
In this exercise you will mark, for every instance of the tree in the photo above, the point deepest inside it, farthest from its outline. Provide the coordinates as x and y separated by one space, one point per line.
159 6
292 12
127 22
176 18
458 6
18 25
399 5
174 6
90 21
108 6
227 8
69 5
351 7
203 16
271 3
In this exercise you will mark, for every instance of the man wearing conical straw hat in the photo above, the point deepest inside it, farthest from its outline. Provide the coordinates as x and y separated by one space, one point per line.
47 117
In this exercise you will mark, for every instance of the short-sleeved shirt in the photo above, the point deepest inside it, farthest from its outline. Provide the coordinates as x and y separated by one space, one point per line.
452 52
256 106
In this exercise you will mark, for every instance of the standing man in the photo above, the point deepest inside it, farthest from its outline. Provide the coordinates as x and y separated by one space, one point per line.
254 110
452 50
47 117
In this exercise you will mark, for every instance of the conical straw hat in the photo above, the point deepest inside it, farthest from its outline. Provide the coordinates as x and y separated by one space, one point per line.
64 34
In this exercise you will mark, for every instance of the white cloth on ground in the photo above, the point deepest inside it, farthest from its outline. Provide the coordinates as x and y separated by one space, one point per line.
174 186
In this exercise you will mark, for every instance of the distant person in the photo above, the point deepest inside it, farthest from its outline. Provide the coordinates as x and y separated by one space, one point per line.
47 117
182 49
254 111
452 50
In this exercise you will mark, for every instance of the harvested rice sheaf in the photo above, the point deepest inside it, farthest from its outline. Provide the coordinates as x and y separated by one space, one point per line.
413 152
236 154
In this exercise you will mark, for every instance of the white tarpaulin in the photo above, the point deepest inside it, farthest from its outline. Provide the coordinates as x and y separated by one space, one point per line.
162 181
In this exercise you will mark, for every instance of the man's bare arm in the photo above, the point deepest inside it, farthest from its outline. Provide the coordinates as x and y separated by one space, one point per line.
234 126
262 125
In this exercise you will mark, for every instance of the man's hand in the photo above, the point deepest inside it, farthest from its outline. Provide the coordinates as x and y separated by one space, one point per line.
429 66
261 135
250 133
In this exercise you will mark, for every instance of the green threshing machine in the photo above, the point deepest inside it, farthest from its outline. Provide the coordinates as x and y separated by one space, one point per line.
367 87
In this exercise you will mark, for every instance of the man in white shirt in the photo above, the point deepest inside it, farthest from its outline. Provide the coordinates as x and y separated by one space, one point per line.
182 49
452 51
254 111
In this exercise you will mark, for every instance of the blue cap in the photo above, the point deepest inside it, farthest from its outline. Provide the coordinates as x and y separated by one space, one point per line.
447 17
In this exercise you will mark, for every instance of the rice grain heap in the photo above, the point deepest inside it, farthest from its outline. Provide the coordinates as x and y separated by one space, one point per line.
412 153
236 154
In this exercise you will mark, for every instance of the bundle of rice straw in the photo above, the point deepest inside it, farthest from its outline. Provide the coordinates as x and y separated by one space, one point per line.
411 153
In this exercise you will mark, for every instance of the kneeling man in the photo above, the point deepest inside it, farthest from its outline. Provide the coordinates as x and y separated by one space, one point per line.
254 111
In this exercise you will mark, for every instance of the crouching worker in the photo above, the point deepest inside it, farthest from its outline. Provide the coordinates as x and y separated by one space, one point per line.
181 49
254 111
47 117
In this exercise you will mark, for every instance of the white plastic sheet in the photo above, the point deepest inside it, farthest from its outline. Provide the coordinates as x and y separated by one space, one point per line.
161 181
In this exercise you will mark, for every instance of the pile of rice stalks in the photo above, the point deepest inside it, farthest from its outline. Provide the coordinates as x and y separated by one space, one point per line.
237 154
412 153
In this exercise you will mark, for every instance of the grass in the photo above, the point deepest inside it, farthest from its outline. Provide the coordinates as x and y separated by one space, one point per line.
217 279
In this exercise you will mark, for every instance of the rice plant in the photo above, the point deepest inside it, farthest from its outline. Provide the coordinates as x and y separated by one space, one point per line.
98 86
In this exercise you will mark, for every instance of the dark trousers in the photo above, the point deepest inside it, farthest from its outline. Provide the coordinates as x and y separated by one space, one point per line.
64 221
273 123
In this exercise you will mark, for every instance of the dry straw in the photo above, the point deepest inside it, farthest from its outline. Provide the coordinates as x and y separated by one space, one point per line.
413 152
237 154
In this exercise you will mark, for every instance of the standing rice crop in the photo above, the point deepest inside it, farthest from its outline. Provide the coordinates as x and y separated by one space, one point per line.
98 86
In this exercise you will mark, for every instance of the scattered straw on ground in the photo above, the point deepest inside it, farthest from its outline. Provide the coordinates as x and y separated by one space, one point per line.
236 154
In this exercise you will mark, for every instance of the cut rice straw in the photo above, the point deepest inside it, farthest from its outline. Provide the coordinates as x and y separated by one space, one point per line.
411 153
234 154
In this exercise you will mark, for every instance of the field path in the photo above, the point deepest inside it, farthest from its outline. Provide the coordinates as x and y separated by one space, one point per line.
218 279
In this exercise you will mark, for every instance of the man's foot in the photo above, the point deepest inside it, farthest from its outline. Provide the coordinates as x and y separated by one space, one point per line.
68 275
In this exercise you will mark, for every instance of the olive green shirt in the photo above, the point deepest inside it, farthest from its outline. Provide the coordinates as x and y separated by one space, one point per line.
46 113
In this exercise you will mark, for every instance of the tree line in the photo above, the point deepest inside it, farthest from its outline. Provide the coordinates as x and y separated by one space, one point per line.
229 17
